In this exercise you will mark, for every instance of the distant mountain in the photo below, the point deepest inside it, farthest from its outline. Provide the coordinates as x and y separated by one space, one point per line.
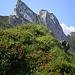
4 18
23 14
4 22
72 34
71 39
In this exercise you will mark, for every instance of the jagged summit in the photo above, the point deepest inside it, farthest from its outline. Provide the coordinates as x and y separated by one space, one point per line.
52 23
18 0
23 14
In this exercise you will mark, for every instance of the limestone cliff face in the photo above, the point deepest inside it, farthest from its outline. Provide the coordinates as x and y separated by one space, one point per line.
51 22
23 14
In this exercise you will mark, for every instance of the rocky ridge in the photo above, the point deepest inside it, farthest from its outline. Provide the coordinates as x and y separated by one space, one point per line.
23 14
51 22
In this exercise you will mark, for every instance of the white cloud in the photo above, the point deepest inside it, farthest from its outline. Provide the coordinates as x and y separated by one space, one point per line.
67 29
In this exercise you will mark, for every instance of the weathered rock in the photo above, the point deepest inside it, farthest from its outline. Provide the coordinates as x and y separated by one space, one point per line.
65 45
22 14
72 34
51 22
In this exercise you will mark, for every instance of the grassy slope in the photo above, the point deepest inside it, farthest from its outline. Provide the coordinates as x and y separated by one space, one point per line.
32 50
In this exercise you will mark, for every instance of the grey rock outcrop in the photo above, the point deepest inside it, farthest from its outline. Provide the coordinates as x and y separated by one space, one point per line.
65 45
22 14
51 22
72 34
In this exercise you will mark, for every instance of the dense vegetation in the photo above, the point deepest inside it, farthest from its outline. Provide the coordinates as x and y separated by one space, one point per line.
32 50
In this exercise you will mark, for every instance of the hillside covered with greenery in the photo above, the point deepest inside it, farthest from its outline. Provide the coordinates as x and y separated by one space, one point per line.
32 50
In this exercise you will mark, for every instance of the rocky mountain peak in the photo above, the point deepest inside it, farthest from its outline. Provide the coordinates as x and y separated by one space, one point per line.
52 23
23 14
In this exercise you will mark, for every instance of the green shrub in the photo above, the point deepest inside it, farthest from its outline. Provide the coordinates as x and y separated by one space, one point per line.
32 50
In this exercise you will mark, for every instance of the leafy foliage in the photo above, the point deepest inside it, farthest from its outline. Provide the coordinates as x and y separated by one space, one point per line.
32 50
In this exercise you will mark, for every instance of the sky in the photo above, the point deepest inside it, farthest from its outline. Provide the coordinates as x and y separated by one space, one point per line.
64 10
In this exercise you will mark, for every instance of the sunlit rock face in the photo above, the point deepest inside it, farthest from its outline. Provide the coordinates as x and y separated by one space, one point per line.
22 14
51 22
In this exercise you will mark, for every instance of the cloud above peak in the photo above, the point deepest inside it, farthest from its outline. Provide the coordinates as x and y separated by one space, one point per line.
67 29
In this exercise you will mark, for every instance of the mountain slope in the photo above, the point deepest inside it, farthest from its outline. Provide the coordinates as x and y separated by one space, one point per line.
32 50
